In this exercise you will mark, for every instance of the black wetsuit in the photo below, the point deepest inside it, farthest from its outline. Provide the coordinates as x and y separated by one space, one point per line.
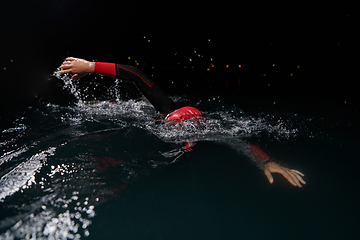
146 86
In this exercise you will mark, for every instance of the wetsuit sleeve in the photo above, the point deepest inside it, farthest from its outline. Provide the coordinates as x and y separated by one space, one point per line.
145 85
257 155
107 69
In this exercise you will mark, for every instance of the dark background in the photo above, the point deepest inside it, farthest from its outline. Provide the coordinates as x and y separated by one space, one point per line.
299 56
291 50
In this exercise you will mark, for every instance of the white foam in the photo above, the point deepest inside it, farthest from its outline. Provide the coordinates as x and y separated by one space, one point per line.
11 154
23 175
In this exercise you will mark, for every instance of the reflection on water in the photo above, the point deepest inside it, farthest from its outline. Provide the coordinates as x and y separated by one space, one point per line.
59 163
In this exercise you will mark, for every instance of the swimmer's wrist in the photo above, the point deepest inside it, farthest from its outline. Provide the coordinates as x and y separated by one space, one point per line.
268 161
265 162
91 67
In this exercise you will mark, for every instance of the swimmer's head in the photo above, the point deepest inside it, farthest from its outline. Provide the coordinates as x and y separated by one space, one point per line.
183 114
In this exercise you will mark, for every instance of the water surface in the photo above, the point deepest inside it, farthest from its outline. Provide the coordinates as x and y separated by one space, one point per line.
108 170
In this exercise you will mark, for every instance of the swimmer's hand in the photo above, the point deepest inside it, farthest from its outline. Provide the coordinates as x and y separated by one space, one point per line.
293 176
79 67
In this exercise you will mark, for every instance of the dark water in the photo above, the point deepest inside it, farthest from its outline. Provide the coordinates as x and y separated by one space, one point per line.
107 170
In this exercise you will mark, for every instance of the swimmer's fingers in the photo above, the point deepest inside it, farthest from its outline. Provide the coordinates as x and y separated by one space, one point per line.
293 176
66 63
299 176
290 177
77 66
269 176
69 62
71 59
298 172
66 67
64 71
75 76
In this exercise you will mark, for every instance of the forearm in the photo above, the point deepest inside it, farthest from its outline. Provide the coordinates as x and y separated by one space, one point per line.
107 69
261 159
123 72
146 86
258 156
253 152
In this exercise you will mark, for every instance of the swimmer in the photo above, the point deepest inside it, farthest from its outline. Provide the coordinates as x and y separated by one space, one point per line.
168 109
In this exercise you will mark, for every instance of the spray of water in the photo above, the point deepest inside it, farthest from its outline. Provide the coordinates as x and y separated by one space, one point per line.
68 201
68 84
226 123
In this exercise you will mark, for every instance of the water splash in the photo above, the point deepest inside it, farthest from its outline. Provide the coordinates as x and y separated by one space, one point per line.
224 123
23 175
68 84
117 90
8 156
69 188
219 125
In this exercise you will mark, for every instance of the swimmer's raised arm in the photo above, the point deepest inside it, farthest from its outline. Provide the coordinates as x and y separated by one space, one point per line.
80 67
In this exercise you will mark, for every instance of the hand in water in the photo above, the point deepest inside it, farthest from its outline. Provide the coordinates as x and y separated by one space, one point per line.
79 67
293 176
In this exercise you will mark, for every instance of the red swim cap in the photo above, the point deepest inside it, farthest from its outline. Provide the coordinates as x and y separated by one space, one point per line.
183 114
